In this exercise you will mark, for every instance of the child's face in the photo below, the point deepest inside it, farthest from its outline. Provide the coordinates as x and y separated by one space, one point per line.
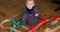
30 4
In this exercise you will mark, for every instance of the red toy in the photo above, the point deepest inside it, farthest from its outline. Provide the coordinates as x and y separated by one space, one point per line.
43 21
54 18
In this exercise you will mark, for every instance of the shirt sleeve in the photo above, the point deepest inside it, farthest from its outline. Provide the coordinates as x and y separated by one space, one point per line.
36 10
24 16
25 10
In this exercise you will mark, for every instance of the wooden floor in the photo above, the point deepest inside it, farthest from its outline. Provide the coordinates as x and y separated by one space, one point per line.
14 9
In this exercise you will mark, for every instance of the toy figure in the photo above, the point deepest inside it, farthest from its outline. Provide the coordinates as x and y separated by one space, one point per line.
54 21
30 14
11 30
15 23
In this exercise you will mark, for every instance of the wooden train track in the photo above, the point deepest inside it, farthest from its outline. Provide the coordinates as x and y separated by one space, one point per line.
7 20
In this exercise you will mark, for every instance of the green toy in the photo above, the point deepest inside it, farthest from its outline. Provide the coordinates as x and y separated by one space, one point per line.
15 22
11 30
55 25
41 29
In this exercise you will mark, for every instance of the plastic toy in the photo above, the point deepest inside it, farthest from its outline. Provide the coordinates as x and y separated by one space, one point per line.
15 22
11 30
41 29
46 30
54 21
43 21
30 27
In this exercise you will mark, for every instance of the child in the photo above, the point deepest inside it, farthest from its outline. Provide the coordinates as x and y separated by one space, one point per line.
30 14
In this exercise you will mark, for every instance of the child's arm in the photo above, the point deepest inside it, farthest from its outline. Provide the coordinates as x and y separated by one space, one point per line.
36 11
24 16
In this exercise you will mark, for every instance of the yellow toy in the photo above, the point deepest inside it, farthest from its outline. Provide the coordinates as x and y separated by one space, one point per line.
46 30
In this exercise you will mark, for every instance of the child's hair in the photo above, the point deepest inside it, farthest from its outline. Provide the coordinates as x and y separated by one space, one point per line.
30 1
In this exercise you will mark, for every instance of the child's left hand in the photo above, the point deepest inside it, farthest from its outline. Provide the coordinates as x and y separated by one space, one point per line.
36 14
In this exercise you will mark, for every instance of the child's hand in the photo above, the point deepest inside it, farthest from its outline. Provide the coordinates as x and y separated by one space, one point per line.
36 14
